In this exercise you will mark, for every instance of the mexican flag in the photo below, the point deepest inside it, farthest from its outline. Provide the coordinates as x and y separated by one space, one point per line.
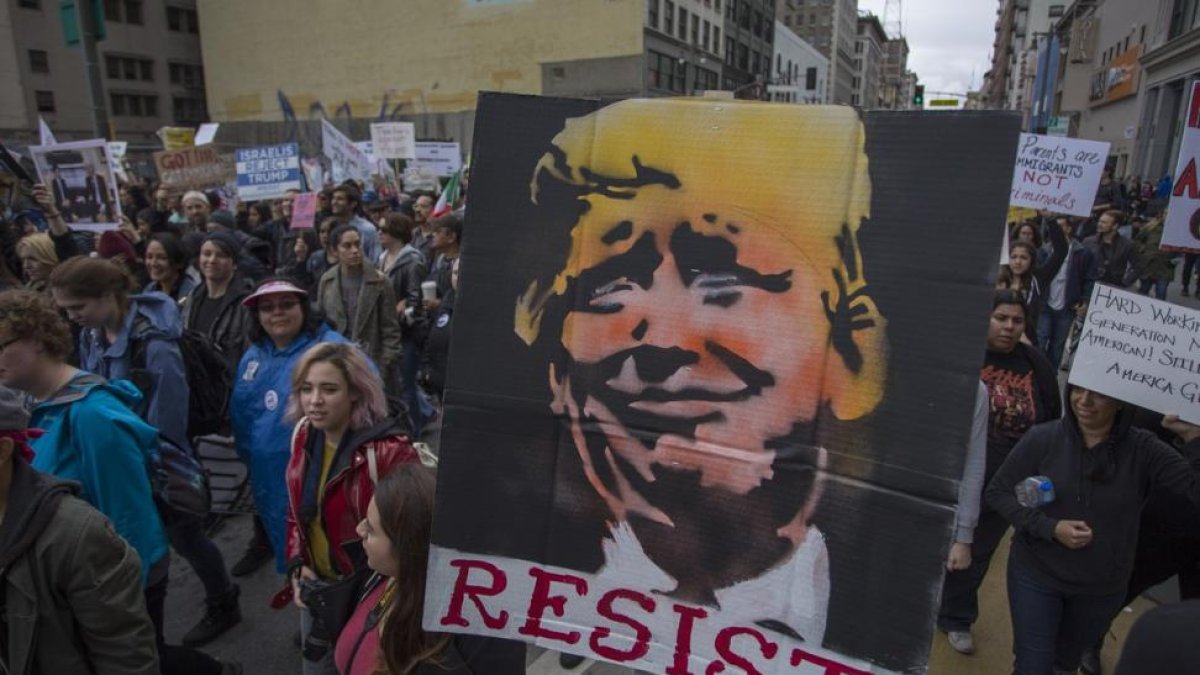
445 203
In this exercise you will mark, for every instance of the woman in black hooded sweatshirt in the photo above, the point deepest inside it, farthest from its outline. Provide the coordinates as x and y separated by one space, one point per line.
1070 560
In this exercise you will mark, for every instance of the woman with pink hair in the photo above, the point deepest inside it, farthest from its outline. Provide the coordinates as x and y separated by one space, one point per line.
343 444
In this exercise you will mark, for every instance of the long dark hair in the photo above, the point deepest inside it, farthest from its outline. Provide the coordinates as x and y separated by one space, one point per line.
405 502
1027 277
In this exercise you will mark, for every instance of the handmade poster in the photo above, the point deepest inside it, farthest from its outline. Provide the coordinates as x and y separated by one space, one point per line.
177 138
1141 351
346 159
304 210
707 418
206 133
194 168
394 140
80 177
442 159
1182 227
1058 174
267 172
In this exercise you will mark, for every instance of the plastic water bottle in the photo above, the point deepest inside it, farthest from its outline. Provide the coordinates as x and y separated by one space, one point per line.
1035 492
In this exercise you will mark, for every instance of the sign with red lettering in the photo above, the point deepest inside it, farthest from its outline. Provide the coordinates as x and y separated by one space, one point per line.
1182 227
700 422
194 168
1058 174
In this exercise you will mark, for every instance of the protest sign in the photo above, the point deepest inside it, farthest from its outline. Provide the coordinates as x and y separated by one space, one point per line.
314 172
1182 227
1142 351
45 135
347 160
177 138
304 210
206 133
80 177
196 168
444 159
633 466
1058 174
419 178
267 172
394 140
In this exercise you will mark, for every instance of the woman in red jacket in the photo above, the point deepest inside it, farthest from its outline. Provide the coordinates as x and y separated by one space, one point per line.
342 445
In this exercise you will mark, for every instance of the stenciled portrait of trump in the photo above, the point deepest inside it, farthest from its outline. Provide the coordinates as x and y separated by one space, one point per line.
707 321
678 412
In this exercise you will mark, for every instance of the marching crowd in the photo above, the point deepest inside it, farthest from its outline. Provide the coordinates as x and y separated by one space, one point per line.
1120 491
322 352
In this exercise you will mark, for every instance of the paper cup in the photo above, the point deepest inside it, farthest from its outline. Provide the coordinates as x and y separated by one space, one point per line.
429 290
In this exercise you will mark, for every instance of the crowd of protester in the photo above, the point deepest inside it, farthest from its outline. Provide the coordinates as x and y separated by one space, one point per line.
1124 514
321 352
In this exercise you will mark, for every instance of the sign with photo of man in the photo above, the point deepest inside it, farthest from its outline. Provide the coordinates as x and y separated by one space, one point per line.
712 412
80 178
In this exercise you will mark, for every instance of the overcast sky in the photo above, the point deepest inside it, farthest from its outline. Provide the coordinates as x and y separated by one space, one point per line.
947 40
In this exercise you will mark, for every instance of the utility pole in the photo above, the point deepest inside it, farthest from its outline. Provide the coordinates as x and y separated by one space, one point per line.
91 68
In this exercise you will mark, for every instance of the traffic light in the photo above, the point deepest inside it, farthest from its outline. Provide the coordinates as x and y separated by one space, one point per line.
919 96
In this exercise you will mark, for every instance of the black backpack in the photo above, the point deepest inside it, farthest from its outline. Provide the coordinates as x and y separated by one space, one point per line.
209 383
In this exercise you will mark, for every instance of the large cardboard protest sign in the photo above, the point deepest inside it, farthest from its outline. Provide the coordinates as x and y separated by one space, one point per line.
706 415
267 172
1058 174
80 177
194 168
346 159
1142 351
442 159
1182 228
394 140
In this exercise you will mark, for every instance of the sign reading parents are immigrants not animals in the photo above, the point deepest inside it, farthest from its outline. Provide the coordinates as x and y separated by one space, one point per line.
1057 174
1142 351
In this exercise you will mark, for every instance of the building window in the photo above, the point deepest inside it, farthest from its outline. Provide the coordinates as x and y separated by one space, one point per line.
743 56
123 11
729 49
716 41
683 17
44 100
29 4
189 110
669 18
706 79
129 68
810 79
1055 11
39 61
756 23
1183 17
133 105
186 75
695 29
182 20
707 35
652 17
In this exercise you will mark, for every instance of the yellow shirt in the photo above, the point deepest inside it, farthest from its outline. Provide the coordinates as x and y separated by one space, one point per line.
318 543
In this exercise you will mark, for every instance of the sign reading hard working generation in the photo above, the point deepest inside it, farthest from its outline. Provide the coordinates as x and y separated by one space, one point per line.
633 467
267 172
1142 351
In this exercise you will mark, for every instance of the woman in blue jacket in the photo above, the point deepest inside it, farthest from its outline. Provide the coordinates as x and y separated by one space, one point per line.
94 293
284 326
91 435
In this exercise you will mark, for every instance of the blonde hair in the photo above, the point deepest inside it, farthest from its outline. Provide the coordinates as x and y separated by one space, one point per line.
38 246
370 405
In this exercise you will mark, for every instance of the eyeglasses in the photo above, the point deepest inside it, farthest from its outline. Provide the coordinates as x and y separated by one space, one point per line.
269 307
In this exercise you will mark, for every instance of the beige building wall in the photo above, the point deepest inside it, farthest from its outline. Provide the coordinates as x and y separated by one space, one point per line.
13 114
397 57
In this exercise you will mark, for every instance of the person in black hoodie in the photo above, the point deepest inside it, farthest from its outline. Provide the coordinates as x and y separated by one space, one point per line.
1070 561
71 588
1022 392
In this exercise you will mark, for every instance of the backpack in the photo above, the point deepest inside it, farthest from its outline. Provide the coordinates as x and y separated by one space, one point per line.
178 481
209 383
